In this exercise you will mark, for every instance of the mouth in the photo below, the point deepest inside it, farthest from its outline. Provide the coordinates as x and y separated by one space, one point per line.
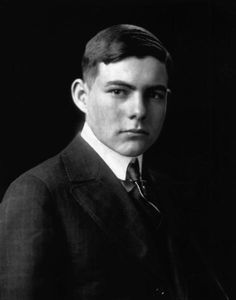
136 131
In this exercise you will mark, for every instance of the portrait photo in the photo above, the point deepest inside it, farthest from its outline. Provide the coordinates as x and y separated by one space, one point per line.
117 156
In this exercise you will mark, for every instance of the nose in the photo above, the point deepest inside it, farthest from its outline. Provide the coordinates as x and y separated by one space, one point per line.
138 108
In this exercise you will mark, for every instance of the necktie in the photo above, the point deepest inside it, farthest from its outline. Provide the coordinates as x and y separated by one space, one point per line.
134 180
141 193
135 185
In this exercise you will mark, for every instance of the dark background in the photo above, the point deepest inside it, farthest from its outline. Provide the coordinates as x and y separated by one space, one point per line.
42 45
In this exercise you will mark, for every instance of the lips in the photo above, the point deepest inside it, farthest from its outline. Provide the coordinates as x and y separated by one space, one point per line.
136 131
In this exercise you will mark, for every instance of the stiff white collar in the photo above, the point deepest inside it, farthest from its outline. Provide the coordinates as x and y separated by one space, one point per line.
118 163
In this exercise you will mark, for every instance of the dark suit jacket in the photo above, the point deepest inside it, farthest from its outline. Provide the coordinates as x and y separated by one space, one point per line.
69 230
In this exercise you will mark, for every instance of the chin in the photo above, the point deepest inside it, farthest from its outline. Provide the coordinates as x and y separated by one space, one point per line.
134 151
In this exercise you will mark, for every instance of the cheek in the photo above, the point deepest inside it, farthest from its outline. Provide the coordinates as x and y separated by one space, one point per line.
157 115
95 110
102 113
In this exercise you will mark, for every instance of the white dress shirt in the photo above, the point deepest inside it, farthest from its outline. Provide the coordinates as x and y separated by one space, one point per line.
116 162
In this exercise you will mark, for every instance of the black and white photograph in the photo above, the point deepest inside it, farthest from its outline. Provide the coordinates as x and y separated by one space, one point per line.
117 165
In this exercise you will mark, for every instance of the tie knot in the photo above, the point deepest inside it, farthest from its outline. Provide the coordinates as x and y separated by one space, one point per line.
133 172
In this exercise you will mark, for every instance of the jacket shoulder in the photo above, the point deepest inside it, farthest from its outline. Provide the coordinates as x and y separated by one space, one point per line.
50 171
46 176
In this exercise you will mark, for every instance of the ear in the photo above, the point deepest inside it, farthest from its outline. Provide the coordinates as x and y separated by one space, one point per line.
79 91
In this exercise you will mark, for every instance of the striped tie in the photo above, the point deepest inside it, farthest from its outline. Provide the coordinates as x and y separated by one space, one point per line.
135 185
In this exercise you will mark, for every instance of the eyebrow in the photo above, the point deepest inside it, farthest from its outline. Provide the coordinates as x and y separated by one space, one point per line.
132 87
120 83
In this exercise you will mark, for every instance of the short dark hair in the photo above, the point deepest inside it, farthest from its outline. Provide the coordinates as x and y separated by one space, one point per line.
119 42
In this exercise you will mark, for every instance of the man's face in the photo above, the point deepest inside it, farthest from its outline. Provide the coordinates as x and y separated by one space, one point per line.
125 107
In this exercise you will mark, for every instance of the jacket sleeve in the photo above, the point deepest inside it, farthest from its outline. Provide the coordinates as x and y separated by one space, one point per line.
27 241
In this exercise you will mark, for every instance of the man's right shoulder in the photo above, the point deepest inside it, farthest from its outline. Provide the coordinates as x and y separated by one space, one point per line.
49 170
50 174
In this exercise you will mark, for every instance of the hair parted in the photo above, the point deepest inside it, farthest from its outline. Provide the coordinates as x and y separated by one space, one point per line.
119 42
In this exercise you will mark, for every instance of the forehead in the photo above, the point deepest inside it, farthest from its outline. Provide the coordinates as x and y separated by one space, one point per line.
133 70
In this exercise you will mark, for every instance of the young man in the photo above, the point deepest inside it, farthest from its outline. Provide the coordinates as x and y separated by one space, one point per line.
94 222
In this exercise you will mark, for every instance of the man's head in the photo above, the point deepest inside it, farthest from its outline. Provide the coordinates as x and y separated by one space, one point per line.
118 42
124 88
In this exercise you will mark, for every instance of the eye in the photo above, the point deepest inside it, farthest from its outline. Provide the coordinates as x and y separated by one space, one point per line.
118 92
157 95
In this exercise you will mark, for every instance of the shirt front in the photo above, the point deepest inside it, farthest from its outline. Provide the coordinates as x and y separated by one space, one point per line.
116 162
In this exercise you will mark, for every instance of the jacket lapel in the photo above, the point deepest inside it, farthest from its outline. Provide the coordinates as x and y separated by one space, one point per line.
99 192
